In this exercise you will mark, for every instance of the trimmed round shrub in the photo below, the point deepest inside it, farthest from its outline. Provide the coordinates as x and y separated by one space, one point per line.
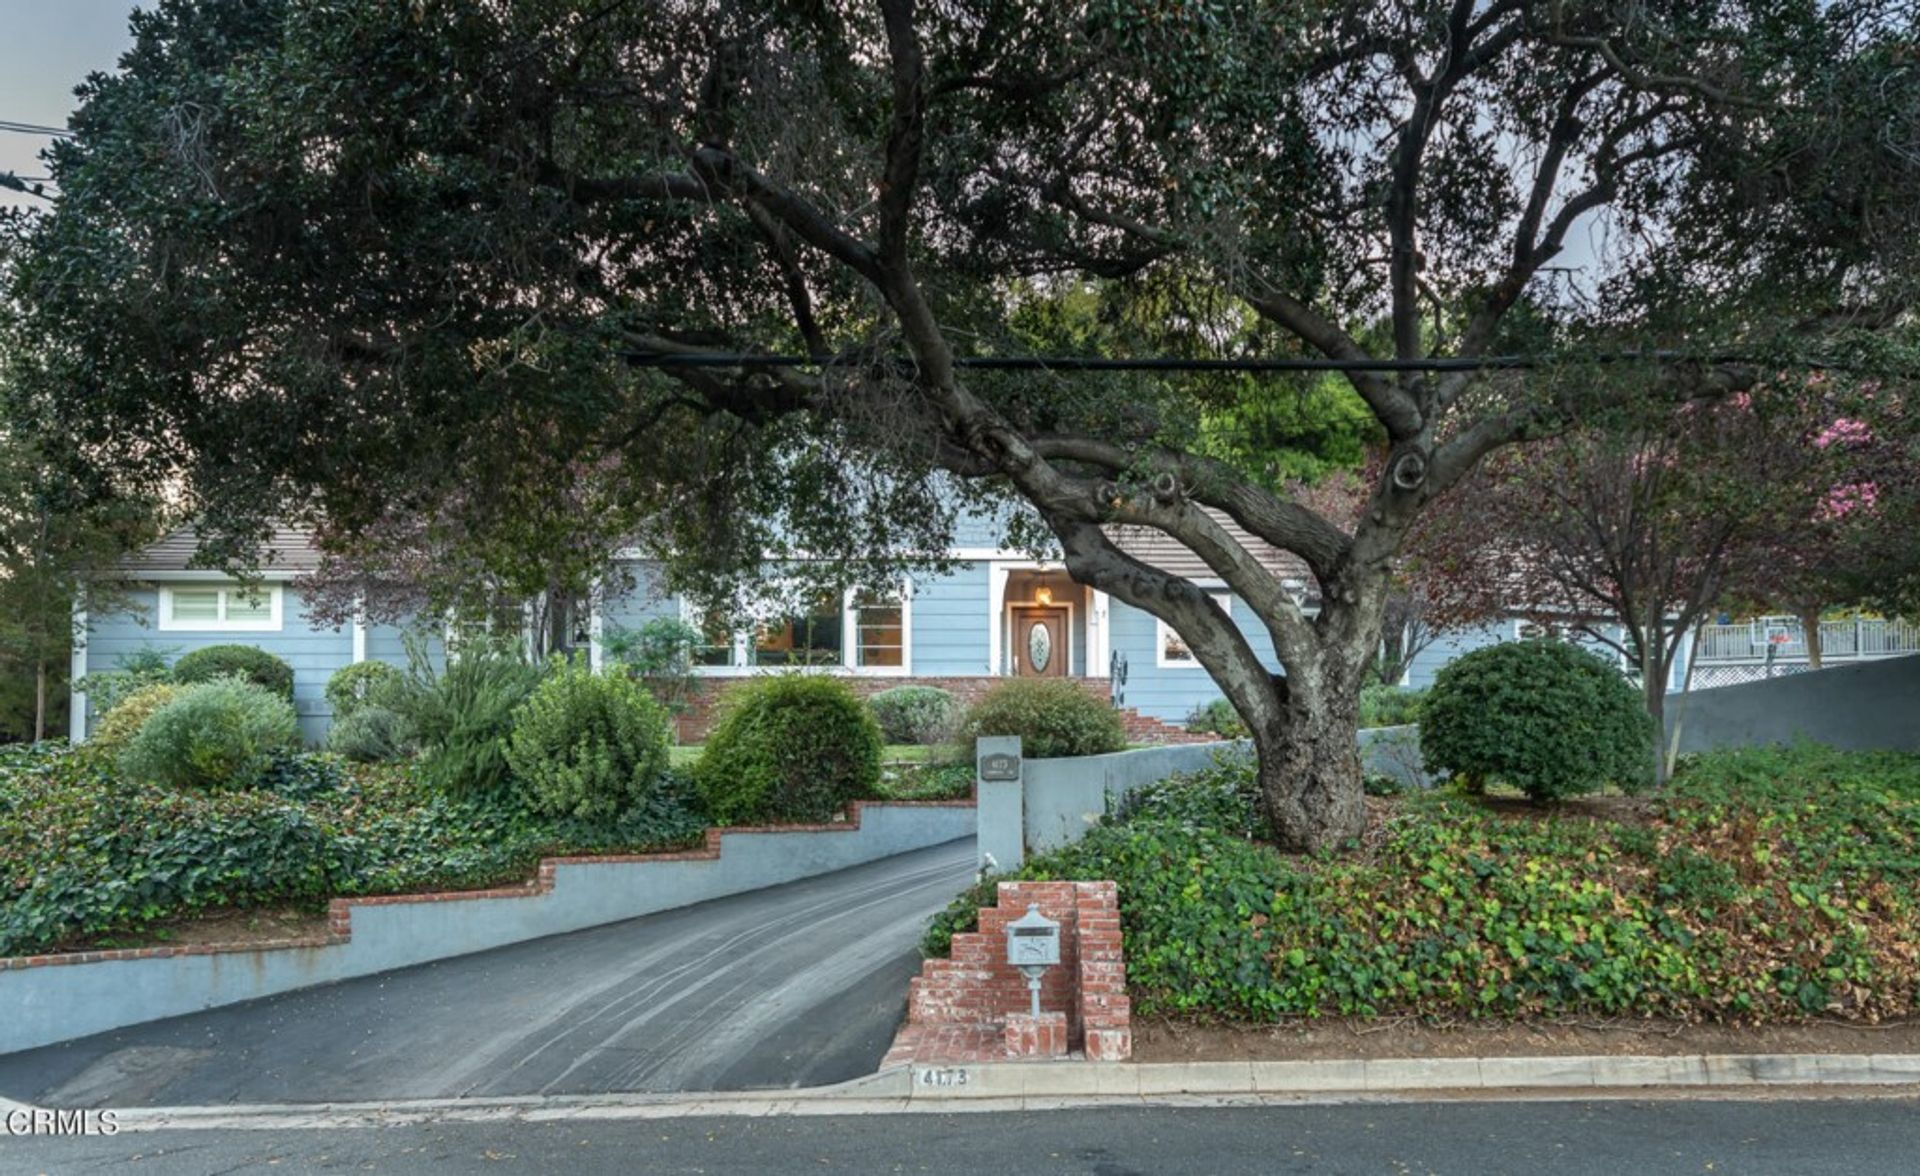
119 725
244 661
788 748
587 745
367 683
214 735
1052 716
1545 717
915 714
370 735
1217 718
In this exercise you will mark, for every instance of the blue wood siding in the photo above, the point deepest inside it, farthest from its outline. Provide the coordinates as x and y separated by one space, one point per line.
1171 693
950 635
313 652
638 602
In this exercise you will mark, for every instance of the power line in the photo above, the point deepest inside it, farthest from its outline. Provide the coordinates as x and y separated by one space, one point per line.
1087 363
20 128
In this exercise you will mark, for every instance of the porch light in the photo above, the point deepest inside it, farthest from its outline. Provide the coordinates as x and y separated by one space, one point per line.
1043 595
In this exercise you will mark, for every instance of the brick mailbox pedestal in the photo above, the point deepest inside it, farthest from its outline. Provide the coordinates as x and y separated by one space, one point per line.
973 1006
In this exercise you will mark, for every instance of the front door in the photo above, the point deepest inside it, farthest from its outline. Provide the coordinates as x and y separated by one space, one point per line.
1039 642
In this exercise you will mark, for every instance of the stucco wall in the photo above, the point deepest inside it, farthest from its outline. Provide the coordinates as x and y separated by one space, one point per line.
1867 706
55 1001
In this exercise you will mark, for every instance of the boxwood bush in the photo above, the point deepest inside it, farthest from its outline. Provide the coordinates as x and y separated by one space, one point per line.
1541 716
1217 718
791 747
1390 706
1052 716
119 725
587 745
915 714
367 683
244 661
220 734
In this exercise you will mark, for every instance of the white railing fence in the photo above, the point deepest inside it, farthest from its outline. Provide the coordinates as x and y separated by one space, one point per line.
1750 641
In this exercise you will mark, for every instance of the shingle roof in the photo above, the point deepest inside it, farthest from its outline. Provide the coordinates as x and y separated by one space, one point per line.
288 549
1163 551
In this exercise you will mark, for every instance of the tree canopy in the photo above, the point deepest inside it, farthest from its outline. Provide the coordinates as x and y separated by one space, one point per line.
334 258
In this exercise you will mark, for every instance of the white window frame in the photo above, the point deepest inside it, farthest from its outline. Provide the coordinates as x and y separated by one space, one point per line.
1162 630
742 665
273 623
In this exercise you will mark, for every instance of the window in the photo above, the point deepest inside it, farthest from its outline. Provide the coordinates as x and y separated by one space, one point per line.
880 626
1170 649
862 632
231 607
809 639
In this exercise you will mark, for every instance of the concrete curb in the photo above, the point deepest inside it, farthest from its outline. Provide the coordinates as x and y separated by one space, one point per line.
1000 1086
1403 1075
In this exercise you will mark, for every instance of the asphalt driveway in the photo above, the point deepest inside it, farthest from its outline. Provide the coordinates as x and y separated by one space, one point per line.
797 985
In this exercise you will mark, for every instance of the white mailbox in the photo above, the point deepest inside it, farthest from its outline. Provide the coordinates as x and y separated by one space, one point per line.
1033 946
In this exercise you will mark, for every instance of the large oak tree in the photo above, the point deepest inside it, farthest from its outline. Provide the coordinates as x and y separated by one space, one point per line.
332 257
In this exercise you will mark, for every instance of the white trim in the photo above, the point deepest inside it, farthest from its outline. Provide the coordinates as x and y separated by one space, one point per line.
272 624
596 629
1161 630
997 573
1099 633
76 670
158 575
1066 604
359 629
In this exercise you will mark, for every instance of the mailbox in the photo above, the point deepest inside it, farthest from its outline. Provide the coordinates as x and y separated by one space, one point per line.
999 766
1033 946
1033 940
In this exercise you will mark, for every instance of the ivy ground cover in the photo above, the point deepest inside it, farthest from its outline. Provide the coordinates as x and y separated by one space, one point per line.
1762 885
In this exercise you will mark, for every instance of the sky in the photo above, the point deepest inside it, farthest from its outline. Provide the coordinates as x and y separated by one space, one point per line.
49 47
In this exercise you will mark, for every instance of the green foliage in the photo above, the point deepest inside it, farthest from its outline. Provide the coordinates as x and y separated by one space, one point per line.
462 716
1390 706
661 653
1225 797
218 734
1541 716
1217 718
367 683
370 734
587 745
226 661
119 725
105 689
915 714
1053 717
90 858
925 781
1769 885
789 747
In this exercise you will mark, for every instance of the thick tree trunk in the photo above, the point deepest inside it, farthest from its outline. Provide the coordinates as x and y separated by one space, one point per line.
1310 775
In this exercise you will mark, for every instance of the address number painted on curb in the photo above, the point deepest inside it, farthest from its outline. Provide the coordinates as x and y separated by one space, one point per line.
956 1077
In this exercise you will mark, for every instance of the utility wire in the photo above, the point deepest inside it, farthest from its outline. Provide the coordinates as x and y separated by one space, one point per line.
1087 363
20 128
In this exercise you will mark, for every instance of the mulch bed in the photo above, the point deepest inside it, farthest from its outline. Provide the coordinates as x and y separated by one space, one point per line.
1410 1037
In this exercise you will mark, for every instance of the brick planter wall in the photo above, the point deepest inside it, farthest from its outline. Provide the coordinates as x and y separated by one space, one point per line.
973 1006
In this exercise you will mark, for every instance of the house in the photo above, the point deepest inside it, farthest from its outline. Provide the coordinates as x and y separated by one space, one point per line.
998 613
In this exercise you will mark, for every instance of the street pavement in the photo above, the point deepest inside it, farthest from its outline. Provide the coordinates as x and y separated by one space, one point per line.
1843 1137
797 985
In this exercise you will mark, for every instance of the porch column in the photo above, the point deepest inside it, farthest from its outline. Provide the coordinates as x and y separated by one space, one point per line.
76 670
1099 637
997 573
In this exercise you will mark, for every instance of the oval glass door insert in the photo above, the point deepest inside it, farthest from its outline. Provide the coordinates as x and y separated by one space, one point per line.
1039 647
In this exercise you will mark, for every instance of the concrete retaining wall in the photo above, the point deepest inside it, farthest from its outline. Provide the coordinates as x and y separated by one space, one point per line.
55 998
1866 706
1064 798
1394 752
